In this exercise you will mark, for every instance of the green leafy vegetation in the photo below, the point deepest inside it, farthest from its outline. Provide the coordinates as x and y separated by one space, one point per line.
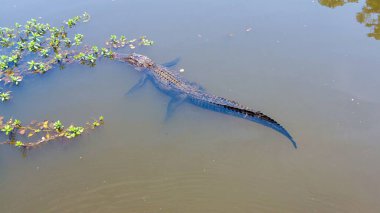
58 126
37 133
37 48
5 96
7 129
73 131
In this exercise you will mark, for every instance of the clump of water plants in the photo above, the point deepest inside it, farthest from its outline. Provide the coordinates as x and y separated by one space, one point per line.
37 133
36 48
119 42
5 96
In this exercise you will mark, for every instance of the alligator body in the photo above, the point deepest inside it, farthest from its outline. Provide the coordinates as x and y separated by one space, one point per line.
173 84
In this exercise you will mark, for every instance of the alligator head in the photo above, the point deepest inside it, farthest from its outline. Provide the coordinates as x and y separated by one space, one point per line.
139 61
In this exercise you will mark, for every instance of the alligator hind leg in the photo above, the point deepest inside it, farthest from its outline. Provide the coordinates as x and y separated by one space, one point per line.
171 63
139 84
173 104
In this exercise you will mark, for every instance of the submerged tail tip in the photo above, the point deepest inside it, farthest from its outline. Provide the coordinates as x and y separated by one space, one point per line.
294 143
283 131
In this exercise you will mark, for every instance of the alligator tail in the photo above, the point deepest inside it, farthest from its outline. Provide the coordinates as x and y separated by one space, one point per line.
248 114
260 118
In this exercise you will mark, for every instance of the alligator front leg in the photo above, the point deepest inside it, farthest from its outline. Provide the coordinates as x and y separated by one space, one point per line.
171 63
173 104
139 84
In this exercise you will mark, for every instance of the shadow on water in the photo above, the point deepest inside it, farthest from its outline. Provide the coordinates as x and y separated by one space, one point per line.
369 16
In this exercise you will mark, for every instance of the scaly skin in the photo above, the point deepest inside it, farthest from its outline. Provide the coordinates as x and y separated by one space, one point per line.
172 83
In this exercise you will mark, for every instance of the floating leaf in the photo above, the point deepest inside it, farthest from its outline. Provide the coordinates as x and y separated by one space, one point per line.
45 125
22 131
19 144
86 17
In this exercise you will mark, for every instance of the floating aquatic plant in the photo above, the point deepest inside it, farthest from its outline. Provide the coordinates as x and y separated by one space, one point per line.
7 129
36 48
5 96
58 126
37 133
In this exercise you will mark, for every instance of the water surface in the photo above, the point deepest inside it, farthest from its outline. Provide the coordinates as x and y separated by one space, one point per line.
313 66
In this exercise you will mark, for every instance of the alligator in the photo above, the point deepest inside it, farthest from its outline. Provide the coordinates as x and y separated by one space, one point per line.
181 90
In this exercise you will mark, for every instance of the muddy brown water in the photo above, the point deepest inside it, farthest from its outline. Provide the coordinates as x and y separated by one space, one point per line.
310 65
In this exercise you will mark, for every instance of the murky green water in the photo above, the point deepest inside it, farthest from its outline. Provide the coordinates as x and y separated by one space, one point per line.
313 68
